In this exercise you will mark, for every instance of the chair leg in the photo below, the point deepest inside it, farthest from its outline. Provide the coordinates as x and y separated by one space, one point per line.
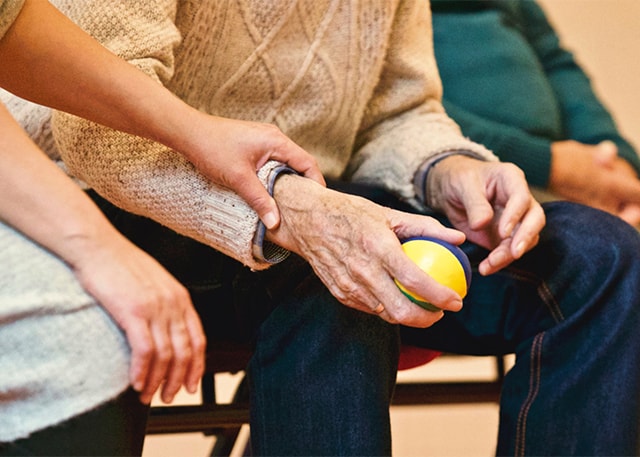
227 438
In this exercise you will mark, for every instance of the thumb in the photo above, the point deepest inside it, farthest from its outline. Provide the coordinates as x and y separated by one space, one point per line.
256 196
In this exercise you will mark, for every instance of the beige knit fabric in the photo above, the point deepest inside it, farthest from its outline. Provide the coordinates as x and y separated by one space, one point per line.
355 83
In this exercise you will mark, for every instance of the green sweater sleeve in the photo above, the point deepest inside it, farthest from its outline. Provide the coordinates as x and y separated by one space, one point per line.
512 144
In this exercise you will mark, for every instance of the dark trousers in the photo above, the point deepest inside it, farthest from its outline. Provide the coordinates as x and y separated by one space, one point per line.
322 374
114 429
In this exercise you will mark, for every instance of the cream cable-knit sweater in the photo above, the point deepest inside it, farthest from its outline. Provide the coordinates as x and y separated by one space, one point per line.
354 83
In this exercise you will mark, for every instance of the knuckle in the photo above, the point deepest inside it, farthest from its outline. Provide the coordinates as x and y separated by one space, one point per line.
145 349
183 355
199 344
164 353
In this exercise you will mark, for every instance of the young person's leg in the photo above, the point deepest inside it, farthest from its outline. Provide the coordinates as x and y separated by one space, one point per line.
116 428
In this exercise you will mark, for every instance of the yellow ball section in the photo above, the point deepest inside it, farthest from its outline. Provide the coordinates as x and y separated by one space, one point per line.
439 263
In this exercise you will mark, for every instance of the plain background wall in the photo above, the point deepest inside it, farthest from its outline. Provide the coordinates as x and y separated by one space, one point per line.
604 36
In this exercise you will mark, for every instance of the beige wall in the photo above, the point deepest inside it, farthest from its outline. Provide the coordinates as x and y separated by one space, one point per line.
604 35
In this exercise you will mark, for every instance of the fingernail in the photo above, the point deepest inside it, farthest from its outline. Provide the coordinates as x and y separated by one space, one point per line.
520 249
508 229
270 220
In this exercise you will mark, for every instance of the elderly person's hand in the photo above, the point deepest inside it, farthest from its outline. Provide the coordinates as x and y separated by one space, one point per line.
353 246
491 203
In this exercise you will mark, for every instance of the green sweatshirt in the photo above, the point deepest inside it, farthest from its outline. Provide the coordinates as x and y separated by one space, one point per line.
511 86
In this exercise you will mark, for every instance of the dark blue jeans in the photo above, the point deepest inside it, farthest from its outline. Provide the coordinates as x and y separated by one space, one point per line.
322 375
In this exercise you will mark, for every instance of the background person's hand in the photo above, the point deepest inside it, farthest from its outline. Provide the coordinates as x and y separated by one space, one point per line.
154 310
596 176
353 246
491 203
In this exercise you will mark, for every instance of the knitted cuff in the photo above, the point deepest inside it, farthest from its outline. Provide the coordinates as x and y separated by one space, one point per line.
264 250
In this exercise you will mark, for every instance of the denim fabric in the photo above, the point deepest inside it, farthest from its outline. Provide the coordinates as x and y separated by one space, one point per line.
322 374
570 311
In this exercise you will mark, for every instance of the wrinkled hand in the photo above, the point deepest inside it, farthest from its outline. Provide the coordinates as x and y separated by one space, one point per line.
353 246
490 202
154 310
595 175
229 152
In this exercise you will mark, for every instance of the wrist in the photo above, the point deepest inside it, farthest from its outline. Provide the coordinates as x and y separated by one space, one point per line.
423 182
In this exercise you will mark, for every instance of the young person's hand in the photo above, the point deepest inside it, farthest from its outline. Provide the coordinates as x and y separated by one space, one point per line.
230 152
154 310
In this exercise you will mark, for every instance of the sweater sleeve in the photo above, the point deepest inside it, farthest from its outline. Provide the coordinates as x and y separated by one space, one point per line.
405 123
585 118
532 153
141 176
9 10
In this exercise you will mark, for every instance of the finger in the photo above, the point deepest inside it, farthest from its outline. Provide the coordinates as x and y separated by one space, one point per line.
527 234
497 259
398 307
198 350
407 225
630 214
605 153
415 280
160 362
253 192
177 369
477 208
625 189
142 349
300 160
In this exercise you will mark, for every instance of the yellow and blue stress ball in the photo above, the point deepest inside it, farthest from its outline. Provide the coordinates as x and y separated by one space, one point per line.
444 262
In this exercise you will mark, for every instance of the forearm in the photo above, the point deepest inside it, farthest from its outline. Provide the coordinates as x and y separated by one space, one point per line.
84 78
39 200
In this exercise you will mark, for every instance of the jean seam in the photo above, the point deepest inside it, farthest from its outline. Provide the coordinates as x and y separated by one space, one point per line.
549 300
534 388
